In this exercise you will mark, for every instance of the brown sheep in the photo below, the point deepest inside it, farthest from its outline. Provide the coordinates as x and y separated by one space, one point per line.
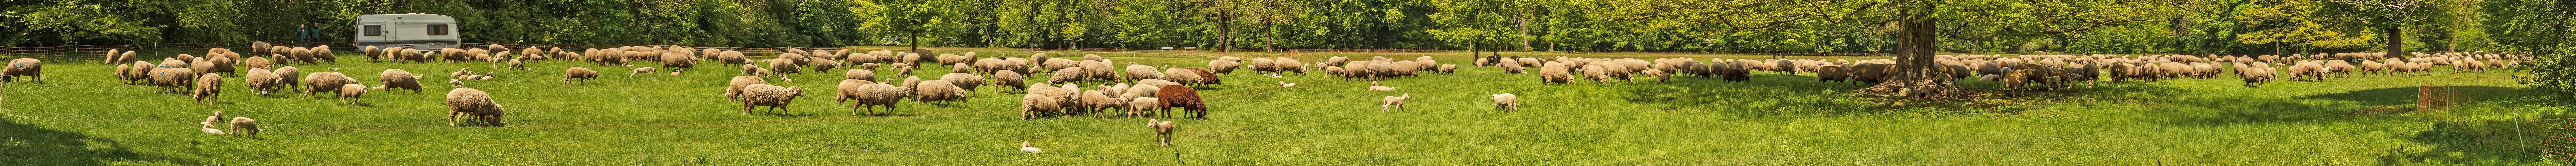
1177 96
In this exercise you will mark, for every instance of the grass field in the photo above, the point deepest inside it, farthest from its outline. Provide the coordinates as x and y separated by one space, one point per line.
81 116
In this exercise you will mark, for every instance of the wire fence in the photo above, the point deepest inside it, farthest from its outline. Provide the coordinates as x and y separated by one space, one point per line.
85 53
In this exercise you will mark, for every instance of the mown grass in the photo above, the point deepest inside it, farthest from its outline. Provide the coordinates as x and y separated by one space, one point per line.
82 117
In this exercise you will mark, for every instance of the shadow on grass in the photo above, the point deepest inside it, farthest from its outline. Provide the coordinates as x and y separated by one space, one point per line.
21 144
1766 95
2515 139
2406 95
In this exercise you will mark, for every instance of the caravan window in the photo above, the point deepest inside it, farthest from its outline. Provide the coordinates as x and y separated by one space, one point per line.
437 29
372 30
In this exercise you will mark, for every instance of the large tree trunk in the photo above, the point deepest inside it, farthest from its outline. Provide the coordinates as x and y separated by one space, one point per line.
2396 41
1914 75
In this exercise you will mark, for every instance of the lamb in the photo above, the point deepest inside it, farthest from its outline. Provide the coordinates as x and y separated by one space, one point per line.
29 67
472 103
641 70
869 95
1396 103
350 92
1374 87
209 86
399 79
246 127
1286 84
964 81
583 74
769 95
1448 68
1145 106
937 91
739 82
1506 102
1162 129
325 82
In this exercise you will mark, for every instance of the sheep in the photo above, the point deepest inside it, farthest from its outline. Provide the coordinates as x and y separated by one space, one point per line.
964 81
859 74
1066 75
319 82
1506 102
1394 103
1448 68
1184 98
399 79
775 97
1184 76
1093 101
472 103
641 70
1141 72
1038 105
1162 129
1144 106
869 95
578 73
783 66
1554 73
350 92
1286 84
1223 66
1012 79
1374 87
29 67
735 89
246 127
173 79
1206 78
209 86
2256 75
1024 147
937 91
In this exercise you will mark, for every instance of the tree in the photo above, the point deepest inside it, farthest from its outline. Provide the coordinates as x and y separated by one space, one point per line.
2389 17
910 16
2542 29
1916 23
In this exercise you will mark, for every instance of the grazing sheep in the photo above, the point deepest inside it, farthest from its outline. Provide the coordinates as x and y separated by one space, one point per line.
1223 66
1184 98
320 82
209 86
1184 76
784 66
859 74
246 127
451 82
735 89
775 97
29 67
870 95
937 91
350 92
1145 106
399 79
173 79
1039 105
1012 79
963 80
1395 103
472 103
1506 102
579 73
1554 73
1066 75
1162 129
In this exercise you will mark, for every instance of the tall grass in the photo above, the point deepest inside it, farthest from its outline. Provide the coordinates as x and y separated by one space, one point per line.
84 117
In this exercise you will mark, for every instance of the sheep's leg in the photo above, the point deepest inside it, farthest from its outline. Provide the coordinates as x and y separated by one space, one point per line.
451 117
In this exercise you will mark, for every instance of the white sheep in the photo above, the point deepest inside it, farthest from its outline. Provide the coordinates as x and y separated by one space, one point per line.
1394 103
1374 87
246 127
1286 84
1163 129
769 95
1507 102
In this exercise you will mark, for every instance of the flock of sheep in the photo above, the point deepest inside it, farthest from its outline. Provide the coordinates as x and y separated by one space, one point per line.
1052 86
2025 72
